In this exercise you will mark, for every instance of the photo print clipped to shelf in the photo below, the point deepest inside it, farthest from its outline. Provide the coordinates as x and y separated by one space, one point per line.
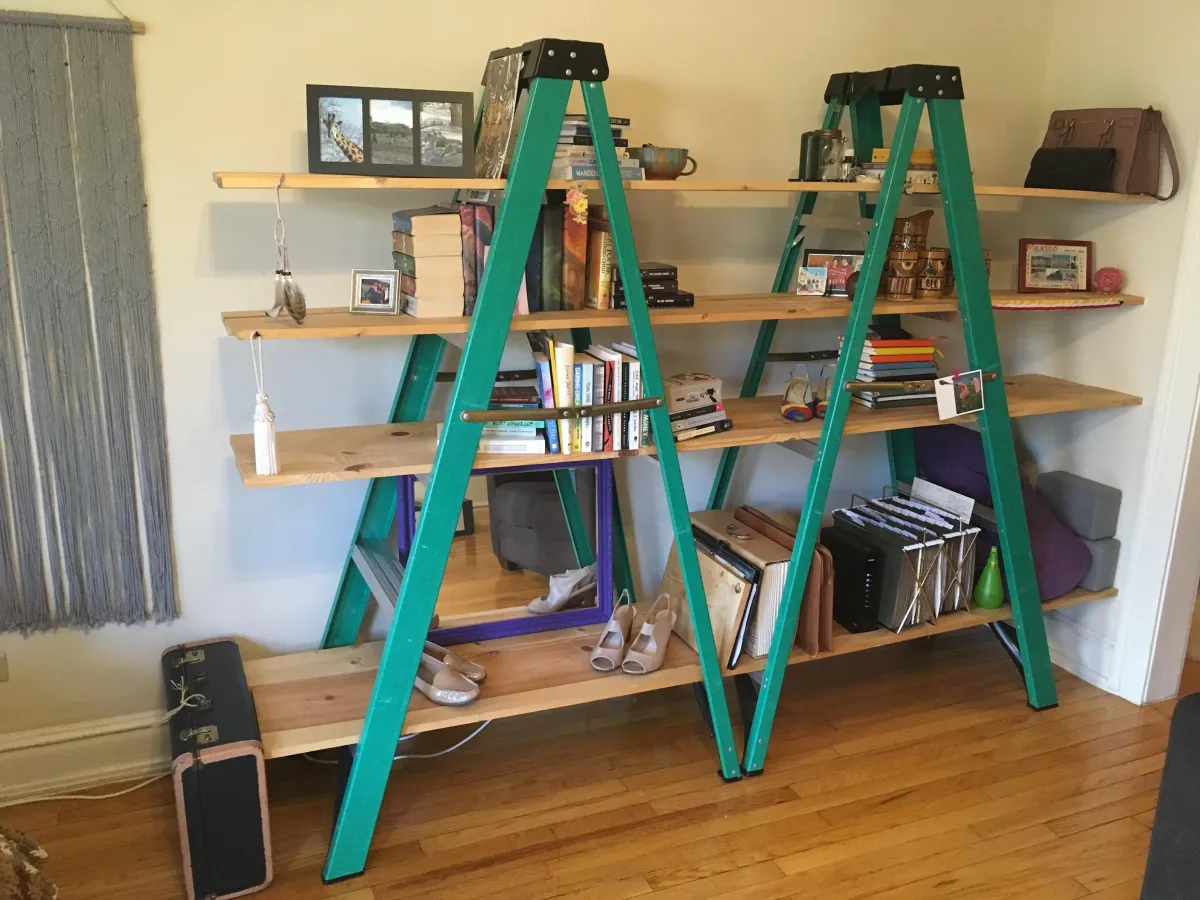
959 394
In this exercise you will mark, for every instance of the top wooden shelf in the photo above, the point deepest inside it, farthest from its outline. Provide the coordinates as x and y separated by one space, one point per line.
340 323
305 180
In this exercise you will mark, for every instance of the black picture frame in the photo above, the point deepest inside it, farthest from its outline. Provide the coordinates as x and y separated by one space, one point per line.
357 116
835 287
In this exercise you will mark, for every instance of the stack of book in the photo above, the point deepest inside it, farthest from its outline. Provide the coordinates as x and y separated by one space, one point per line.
897 359
575 156
430 249
660 281
520 436
695 406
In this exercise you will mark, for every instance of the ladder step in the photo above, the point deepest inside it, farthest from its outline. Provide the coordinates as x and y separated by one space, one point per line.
381 569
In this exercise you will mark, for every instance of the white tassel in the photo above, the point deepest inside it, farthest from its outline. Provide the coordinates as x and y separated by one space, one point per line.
265 460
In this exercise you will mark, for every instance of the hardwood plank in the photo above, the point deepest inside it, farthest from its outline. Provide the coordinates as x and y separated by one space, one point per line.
533 809
304 180
350 453
338 322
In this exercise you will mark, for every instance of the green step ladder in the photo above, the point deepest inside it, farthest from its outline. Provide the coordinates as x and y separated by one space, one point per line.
914 89
551 67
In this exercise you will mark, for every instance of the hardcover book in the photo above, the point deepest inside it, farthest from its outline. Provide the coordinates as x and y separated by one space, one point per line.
552 248
426 220
599 260
574 268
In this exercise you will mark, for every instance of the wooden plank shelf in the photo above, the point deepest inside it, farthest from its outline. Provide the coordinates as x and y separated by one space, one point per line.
340 323
305 180
375 451
317 700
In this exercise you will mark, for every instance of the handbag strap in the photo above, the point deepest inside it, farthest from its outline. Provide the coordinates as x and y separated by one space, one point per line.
1171 161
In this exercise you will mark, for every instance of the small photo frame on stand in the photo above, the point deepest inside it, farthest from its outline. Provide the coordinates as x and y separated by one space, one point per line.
1047 266
375 291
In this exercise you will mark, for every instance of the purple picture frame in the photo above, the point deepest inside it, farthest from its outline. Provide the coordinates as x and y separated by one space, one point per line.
406 516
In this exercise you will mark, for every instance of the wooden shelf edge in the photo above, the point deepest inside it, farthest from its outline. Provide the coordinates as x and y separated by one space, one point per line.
374 451
306 680
336 322
306 180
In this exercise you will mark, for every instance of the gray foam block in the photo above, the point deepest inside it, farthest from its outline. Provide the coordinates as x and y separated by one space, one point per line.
1088 508
1103 573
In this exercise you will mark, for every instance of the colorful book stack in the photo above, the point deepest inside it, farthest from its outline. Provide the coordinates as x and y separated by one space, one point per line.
575 156
898 359
520 436
695 406
660 281
434 250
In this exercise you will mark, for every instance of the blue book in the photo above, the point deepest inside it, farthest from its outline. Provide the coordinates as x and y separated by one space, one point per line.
546 387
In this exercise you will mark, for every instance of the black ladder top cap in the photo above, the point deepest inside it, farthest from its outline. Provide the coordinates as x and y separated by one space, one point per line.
558 58
891 85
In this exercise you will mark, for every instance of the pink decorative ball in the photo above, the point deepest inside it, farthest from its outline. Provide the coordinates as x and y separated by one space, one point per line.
1109 280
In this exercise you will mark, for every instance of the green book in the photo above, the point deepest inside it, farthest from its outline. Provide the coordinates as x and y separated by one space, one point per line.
552 250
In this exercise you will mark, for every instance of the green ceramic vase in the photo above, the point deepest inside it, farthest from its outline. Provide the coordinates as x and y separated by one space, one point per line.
989 592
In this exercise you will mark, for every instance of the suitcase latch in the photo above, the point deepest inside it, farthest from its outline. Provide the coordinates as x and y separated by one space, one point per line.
203 736
189 657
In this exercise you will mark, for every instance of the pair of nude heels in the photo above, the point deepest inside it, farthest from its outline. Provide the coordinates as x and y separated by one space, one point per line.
447 678
648 648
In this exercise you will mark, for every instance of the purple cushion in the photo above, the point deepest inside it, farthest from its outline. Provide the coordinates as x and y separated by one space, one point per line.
952 456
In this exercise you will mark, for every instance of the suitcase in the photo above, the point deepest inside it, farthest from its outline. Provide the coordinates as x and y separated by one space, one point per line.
220 780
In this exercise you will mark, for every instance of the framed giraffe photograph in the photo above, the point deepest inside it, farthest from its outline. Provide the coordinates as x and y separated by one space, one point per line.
390 132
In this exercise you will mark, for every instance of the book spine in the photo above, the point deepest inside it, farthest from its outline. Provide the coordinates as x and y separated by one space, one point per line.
649 288
512 445
533 268
574 267
635 393
701 431
564 369
698 411
552 237
608 398
585 392
597 399
581 118
546 385
483 240
617 396
697 421
506 429
592 173
405 264
599 265
625 396
569 129
466 220
658 273
585 140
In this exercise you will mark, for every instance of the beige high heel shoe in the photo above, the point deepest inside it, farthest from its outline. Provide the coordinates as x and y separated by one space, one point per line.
614 639
649 648
460 664
444 685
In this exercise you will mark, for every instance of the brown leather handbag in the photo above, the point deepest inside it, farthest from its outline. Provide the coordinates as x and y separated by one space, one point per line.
1139 137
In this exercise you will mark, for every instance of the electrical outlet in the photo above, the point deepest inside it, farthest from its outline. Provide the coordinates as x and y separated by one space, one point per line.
3 667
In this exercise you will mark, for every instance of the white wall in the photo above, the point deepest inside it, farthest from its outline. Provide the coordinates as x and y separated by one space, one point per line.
221 86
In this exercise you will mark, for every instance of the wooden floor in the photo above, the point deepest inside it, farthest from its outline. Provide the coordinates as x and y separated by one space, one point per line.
475 582
908 772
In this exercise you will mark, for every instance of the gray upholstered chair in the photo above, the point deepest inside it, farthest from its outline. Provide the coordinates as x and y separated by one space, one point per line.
528 528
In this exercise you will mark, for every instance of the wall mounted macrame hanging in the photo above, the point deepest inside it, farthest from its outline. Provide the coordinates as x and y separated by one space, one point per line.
84 503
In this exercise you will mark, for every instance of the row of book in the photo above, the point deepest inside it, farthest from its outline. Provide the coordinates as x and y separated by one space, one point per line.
892 360
442 251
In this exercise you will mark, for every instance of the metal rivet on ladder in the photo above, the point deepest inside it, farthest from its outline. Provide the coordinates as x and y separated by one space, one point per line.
920 89
937 77
572 54
954 78
549 52
940 93
595 71
568 71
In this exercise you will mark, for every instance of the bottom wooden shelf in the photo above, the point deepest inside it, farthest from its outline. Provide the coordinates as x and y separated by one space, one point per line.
316 700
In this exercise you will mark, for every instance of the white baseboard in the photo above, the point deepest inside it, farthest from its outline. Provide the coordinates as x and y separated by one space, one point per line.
82 756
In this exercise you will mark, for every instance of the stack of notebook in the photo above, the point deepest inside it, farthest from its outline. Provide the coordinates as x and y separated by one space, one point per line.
898 359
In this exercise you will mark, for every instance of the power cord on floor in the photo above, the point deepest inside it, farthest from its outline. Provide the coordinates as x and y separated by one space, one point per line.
112 796
399 756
